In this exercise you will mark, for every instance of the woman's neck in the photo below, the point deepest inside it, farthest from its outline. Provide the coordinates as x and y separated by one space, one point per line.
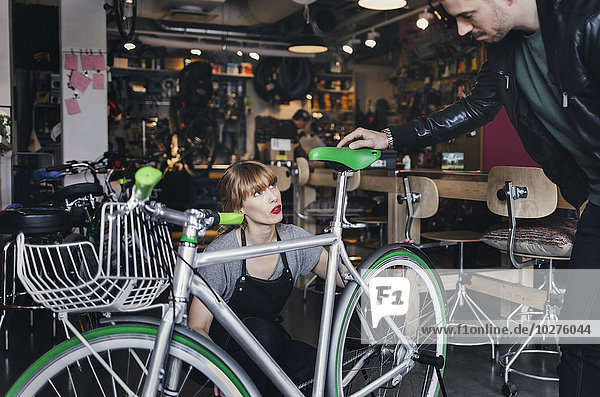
260 234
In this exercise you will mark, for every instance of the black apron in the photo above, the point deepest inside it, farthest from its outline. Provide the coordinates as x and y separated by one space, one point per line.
255 297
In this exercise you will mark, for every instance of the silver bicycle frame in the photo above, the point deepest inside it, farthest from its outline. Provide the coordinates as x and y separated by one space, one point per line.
185 282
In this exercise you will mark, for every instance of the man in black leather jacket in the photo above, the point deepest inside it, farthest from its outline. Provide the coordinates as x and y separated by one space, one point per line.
543 66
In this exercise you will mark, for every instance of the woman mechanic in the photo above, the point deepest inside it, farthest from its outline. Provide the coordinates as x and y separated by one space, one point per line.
256 289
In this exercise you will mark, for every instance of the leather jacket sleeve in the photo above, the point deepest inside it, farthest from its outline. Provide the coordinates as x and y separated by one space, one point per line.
468 114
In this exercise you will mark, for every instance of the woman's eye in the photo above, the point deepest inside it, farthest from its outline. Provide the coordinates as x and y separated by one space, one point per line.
256 194
272 186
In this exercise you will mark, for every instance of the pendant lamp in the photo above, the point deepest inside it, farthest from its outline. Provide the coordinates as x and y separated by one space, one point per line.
307 42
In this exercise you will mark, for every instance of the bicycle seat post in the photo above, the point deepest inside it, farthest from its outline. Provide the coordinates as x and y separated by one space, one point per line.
329 291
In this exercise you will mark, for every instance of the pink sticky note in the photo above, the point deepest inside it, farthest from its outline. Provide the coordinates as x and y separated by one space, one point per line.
72 106
79 81
71 61
99 62
88 62
98 81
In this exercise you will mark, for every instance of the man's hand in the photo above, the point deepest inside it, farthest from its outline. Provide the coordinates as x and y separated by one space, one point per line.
370 139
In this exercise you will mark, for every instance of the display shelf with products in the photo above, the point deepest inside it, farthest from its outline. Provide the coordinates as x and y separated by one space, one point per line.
333 101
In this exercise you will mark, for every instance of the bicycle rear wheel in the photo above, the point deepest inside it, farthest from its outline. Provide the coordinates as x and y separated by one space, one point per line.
360 354
69 369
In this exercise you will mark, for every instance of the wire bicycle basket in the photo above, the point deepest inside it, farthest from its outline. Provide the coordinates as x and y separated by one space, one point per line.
134 265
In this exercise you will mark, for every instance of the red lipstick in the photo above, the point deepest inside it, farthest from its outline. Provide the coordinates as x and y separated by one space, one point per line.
276 210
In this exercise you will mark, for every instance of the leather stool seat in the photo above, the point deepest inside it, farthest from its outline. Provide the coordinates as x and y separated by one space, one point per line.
77 190
34 220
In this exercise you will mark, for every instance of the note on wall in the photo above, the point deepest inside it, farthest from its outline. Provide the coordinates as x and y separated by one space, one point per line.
98 81
71 61
79 81
99 62
72 106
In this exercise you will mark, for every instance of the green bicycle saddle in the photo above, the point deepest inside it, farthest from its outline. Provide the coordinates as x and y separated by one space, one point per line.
345 158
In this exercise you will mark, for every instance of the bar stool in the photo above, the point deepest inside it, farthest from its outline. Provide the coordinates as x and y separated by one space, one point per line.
521 192
39 224
422 199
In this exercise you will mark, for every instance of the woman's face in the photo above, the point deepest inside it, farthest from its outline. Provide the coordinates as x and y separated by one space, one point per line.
264 207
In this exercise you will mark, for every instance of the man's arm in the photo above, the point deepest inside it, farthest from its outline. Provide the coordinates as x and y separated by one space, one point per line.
468 114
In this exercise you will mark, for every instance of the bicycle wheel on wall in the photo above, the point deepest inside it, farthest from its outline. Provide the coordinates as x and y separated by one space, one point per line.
126 16
198 146
70 369
360 354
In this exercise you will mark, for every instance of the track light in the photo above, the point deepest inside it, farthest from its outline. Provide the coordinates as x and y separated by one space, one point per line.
129 46
239 53
382 4
254 56
195 51
348 48
424 19
370 41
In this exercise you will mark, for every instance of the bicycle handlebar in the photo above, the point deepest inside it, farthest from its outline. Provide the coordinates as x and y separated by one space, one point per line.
145 180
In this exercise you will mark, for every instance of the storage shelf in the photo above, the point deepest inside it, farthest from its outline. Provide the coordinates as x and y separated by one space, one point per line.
335 91
247 76
172 71
332 110
143 70
339 75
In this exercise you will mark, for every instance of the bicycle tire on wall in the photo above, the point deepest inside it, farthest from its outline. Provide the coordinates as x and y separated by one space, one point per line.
72 362
126 18
346 351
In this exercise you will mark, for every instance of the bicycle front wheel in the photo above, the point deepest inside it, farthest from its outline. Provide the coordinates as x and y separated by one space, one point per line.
361 355
70 369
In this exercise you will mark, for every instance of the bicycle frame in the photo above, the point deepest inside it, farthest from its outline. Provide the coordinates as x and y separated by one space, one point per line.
185 282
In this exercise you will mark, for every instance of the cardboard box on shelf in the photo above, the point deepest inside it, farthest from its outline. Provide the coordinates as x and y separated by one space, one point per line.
174 63
120 63
281 149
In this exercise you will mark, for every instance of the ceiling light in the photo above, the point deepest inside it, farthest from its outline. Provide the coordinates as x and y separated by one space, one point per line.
424 18
348 48
195 51
308 96
239 53
370 41
382 4
307 42
129 46
254 56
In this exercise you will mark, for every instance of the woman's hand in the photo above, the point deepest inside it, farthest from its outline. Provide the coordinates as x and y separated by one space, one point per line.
370 139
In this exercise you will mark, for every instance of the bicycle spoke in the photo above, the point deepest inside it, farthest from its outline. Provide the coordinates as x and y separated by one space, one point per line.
96 376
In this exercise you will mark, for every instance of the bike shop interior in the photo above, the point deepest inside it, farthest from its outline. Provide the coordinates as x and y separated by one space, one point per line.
193 86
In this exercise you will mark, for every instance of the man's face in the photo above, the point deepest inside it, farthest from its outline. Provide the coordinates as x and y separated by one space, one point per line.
486 20
301 123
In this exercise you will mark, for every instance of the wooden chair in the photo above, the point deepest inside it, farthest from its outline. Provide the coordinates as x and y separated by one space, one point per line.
516 193
422 199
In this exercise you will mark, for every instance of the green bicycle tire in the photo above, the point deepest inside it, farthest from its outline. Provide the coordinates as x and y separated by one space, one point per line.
71 361
383 260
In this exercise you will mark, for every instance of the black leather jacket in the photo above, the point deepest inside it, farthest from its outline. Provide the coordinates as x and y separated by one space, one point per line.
571 35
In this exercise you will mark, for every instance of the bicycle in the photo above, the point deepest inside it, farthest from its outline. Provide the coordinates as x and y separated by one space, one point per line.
143 356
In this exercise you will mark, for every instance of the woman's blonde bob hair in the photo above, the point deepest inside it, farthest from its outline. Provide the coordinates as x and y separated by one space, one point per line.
242 180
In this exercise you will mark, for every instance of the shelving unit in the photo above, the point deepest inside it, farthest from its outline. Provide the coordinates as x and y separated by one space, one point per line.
333 103
227 104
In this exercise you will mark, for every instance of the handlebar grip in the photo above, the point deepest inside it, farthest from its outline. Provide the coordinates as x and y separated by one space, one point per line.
60 167
145 180
230 218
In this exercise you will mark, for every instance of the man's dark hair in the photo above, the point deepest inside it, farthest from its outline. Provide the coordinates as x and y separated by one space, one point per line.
301 115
